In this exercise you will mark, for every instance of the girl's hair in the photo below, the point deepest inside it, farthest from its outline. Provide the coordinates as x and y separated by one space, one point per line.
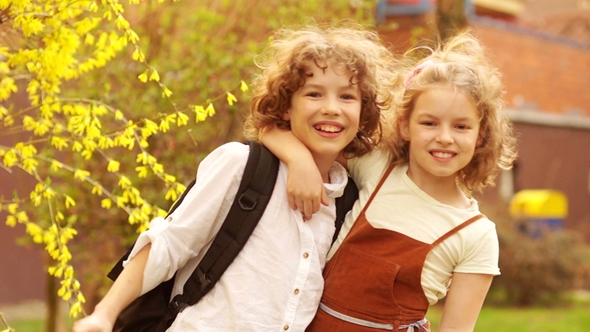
461 63
286 60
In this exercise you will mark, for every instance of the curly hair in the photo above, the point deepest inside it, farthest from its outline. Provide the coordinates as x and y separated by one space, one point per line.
284 64
461 62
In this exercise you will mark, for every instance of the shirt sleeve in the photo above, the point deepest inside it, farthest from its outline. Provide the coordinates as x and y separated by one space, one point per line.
482 255
197 220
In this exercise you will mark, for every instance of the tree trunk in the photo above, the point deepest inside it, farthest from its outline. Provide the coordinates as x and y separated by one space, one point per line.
451 17
52 302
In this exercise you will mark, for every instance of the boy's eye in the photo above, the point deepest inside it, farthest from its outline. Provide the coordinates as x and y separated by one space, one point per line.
348 97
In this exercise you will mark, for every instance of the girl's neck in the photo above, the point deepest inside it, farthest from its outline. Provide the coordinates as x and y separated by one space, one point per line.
443 189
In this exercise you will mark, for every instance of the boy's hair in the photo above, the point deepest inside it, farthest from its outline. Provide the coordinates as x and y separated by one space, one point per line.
461 63
287 58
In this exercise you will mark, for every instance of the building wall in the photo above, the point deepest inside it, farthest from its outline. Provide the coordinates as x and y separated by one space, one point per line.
540 71
22 267
557 158
550 76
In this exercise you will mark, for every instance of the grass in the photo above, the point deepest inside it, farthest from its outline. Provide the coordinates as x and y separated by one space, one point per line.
574 319
571 319
28 325
36 325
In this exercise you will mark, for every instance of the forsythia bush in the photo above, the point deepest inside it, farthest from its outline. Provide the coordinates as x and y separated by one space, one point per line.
49 43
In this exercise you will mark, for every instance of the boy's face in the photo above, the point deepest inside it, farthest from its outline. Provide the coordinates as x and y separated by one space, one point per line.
325 111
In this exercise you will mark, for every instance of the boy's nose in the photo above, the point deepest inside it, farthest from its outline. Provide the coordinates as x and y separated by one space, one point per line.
330 107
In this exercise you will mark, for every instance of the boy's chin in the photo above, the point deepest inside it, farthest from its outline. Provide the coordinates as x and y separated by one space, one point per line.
330 152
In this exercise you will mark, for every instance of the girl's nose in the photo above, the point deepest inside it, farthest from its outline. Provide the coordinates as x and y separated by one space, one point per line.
444 135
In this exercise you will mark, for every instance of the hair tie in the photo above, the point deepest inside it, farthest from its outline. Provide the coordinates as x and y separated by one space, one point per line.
417 71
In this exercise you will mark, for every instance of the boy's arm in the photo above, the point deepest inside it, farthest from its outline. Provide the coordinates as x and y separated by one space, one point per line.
305 188
125 289
464 301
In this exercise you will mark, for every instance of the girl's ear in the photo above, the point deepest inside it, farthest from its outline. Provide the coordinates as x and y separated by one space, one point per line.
404 128
480 139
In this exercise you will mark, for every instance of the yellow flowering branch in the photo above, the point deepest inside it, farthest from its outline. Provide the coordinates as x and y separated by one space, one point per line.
47 43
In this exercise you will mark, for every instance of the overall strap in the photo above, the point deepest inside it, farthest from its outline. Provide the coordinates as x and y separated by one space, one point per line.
457 228
383 178
254 192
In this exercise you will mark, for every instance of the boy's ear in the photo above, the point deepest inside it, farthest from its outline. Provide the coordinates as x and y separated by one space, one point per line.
286 115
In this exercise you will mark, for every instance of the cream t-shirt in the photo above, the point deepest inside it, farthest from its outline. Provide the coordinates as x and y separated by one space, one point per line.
403 207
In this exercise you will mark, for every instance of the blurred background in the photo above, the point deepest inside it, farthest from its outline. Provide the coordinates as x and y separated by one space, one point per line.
202 48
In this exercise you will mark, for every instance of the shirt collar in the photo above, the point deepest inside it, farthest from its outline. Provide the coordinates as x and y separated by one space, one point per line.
338 181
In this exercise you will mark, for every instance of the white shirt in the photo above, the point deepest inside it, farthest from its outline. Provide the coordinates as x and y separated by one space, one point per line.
401 206
275 283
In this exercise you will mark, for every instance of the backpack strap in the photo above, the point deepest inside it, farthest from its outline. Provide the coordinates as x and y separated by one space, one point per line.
344 204
254 192
259 156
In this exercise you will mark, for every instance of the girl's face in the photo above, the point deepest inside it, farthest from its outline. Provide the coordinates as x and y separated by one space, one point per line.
443 132
325 111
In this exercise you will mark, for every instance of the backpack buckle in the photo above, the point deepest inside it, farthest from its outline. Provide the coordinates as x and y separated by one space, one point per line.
248 200
177 305
204 281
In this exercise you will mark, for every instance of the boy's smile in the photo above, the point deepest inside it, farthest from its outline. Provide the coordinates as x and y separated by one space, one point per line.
325 112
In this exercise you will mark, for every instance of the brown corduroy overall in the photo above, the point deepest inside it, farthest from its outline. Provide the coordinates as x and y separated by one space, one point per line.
373 282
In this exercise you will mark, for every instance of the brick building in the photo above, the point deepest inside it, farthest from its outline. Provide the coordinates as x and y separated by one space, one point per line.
542 49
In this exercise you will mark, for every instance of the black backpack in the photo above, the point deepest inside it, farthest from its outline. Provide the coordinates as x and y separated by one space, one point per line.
153 311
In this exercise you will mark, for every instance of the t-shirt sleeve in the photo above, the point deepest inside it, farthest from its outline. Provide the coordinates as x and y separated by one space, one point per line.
481 255
361 168
198 219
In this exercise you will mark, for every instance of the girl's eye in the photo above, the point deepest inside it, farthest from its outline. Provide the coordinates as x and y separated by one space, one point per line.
462 126
313 94
348 97
428 123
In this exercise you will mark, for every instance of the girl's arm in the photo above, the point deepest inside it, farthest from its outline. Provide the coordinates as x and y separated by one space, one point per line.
464 301
305 189
125 289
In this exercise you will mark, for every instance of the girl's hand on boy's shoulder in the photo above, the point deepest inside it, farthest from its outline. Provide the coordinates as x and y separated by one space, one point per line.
305 189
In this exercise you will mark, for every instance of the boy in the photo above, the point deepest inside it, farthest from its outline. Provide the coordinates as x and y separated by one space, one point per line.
328 86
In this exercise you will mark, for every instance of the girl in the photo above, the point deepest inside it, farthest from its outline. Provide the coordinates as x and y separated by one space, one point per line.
328 87
415 227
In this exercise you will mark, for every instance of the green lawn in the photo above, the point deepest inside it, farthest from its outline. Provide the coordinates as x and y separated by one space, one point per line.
575 319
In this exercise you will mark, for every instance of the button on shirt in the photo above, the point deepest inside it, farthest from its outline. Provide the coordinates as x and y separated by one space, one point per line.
275 283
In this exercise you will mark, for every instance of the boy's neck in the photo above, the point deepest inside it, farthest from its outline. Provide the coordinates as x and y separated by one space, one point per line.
324 164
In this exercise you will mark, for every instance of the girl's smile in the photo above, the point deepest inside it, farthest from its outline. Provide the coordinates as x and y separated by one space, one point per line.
443 132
